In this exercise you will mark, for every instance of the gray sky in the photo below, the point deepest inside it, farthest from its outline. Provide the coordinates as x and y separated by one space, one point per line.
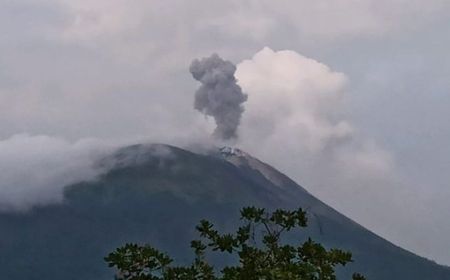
350 98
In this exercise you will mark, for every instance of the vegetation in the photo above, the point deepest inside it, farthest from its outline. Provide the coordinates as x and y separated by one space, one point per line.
258 244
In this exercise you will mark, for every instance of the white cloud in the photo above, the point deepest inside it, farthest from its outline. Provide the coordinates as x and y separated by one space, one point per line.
291 98
294 112
34 169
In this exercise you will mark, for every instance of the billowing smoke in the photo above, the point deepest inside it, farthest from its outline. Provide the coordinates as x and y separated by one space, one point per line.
219 95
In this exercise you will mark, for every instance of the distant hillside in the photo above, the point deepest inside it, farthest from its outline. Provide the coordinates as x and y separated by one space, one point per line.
157 194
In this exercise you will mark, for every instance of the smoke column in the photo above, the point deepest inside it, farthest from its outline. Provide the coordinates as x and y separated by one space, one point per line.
219 95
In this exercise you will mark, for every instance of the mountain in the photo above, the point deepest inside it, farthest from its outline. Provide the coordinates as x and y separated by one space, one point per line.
156 194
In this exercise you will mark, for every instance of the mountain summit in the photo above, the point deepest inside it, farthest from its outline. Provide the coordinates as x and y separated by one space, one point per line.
156 194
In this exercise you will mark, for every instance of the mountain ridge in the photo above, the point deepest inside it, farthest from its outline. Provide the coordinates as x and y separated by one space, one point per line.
156 194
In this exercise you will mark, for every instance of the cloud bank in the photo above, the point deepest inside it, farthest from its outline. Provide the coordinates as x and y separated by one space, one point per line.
34 169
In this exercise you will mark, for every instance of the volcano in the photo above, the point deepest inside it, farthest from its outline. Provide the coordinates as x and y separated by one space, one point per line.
156 194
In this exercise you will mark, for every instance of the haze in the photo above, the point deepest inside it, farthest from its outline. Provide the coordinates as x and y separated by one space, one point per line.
350 98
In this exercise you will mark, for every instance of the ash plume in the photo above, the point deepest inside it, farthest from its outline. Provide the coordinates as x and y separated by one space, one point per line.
219 95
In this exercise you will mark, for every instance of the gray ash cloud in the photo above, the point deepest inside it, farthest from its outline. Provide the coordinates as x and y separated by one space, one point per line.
219 95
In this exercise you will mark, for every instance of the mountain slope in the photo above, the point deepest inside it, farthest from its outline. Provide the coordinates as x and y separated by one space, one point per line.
156 194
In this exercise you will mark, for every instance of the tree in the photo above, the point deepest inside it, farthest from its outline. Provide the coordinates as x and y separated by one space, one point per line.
258 244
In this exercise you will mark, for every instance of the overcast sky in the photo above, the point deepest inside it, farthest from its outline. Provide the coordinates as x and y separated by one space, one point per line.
349 98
